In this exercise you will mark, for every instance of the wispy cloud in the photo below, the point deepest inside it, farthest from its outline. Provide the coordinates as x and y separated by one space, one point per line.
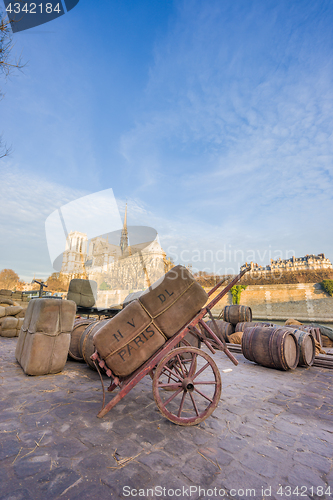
238 114
26 200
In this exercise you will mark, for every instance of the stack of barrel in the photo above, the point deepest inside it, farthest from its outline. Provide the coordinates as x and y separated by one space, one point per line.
232 315
281 347
270 345
82 343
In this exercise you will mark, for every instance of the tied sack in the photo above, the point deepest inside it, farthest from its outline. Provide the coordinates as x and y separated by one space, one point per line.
44 339
173 300
128 340
82 292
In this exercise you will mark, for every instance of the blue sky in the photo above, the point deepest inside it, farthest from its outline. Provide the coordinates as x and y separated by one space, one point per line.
213 119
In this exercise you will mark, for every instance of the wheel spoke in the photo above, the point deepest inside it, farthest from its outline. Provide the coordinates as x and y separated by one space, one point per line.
203 382
173 396
171 386
201 370
181 404
173 373
192 367
194 405
203 395
184 372
176 380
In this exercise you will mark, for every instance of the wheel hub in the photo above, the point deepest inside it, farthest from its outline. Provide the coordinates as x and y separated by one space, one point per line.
188 384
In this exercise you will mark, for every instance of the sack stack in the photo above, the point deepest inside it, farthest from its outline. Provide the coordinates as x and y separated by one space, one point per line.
10 326
10 311
44 338
126 341
82 292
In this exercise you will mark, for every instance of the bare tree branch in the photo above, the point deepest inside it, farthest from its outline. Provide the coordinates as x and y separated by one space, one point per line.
7 64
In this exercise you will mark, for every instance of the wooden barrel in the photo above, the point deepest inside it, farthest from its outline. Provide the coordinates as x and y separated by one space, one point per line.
309 328
273 347
240 327
237 314
224 329
86 346
74 348
306 344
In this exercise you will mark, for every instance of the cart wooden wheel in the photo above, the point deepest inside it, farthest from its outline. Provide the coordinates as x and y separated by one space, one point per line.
196 386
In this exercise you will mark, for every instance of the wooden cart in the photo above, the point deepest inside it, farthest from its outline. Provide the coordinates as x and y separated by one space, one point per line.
186 380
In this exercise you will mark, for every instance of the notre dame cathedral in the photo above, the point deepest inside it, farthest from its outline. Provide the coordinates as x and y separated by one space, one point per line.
115 266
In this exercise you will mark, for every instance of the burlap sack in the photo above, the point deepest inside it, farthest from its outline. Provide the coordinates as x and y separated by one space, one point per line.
173 300
44 338
12 310
292 322
235 338
82 292
81 300
43 354
9 327
6 302
128 340
5 292
52 316
21 314
319 350
9 323
85 287
2 312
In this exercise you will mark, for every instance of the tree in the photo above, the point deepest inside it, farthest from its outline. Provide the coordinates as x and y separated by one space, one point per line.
8 279
57 282
236 291
104 286
7 63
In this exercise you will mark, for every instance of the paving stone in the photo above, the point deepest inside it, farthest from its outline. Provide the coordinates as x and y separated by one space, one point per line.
316 445
287 427
286 441
200 471
17 494
92 491
304 476
232 443
158 461
134 475
128 448
216 454
259 464
271 451
149 435
69 447
9 447
94 462
236 478
178 447
313 460
54 483
31 465
174 484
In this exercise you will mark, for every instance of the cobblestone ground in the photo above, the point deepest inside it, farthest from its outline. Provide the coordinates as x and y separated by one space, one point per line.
270 438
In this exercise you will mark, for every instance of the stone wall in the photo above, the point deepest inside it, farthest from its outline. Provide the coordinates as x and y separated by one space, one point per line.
301 301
